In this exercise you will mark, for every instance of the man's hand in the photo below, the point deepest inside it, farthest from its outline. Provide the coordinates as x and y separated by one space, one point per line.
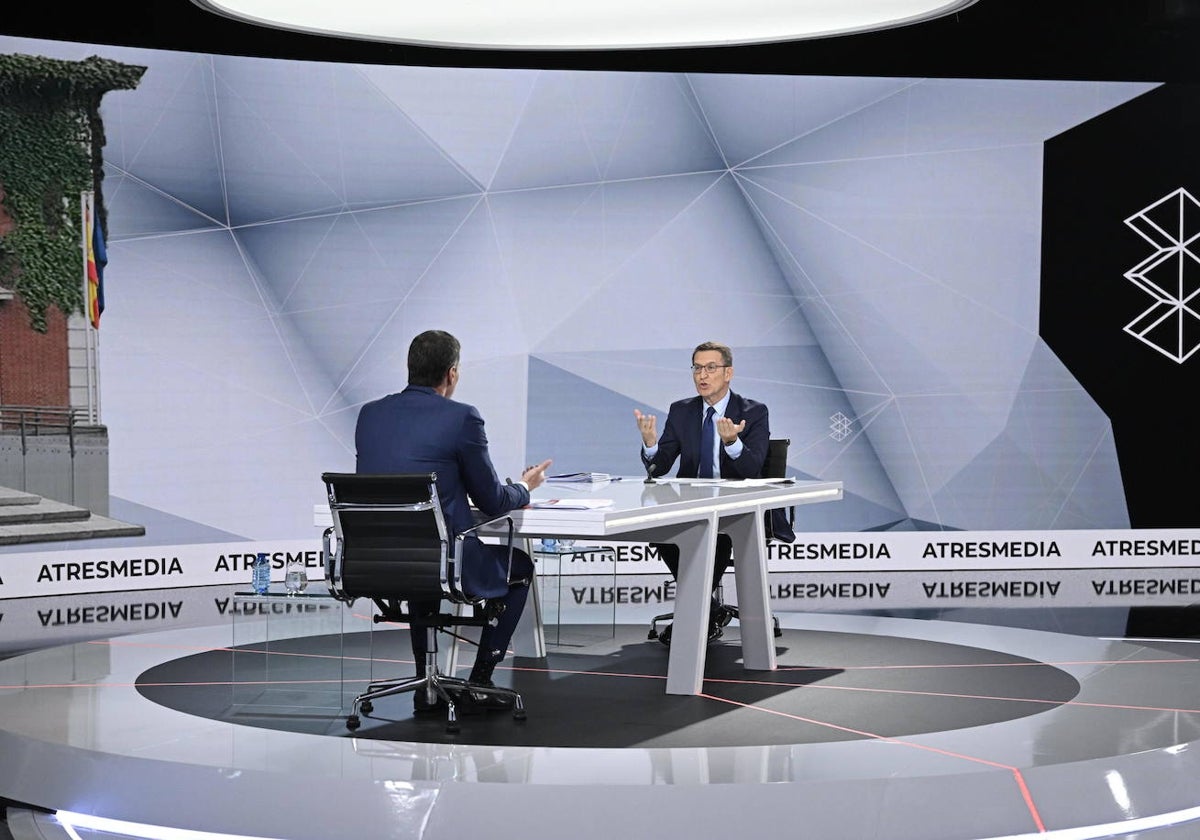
535 475
647 424
728 430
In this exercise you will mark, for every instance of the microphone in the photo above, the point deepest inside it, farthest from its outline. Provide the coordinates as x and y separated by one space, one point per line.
651 469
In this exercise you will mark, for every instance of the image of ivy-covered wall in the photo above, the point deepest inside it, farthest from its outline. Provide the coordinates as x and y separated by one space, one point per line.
51 142
51 155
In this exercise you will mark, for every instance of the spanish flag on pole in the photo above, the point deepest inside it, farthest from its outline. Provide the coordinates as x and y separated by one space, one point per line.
97 258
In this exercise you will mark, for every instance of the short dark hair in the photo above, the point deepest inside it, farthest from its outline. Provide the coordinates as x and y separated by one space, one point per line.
430 356
726 353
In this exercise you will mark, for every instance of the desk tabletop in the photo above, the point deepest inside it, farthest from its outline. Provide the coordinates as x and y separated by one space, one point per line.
636 505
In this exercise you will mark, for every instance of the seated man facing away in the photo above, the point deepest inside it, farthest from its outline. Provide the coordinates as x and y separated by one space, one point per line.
716 434
422 430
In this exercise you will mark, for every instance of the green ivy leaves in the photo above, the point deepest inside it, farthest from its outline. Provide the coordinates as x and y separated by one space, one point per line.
51 140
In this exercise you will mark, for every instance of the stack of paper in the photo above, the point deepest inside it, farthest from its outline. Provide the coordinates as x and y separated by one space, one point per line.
570 504
579 477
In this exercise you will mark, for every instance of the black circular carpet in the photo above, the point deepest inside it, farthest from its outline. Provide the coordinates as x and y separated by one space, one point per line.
611 693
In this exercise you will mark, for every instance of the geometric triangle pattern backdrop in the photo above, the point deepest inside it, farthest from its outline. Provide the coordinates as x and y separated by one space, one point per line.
279 230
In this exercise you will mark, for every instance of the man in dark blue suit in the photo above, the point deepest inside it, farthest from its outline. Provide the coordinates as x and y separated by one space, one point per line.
716 434
422 430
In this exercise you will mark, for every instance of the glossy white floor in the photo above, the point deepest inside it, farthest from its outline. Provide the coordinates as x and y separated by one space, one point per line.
1120 759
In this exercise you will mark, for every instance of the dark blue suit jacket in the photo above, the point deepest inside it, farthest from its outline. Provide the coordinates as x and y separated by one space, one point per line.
680 439
419 431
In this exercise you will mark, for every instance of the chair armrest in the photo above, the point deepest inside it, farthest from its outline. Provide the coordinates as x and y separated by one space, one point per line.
333 564
458 538
491 521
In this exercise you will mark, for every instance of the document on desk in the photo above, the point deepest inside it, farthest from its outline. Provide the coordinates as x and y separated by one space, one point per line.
580 478
570 504
729 482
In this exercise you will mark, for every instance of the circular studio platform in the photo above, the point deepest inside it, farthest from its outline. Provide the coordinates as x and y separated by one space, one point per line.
870 728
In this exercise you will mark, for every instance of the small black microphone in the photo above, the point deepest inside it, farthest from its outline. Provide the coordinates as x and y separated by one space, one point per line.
651 469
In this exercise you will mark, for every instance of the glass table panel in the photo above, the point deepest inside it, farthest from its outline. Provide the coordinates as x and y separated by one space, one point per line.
270 671
590 610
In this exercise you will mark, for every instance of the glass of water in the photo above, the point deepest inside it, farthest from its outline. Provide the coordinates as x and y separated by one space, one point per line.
295 579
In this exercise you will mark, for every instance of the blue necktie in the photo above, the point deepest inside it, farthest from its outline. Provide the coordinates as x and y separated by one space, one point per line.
706 444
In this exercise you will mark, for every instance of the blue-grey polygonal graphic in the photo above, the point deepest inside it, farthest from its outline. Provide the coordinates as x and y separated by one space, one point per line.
1170 275
279 231
606 439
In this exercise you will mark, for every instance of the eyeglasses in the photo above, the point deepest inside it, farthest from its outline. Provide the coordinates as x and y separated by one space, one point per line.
710 368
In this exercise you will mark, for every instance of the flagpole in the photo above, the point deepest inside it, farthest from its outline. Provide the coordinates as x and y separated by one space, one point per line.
91 338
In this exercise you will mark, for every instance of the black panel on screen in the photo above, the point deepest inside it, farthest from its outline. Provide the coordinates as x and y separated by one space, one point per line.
1098 175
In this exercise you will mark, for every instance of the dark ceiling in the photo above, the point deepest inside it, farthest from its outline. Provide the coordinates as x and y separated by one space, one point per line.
1143 40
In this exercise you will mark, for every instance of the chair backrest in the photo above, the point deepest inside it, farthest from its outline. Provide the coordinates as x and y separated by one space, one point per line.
775 466
391 538
778 522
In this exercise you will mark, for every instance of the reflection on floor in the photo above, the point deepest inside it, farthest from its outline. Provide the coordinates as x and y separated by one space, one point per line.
872 727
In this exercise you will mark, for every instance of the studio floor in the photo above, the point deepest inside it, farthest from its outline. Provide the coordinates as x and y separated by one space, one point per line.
872 727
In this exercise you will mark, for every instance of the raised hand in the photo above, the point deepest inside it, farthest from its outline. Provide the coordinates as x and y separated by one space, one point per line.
647 425
728 430
535 475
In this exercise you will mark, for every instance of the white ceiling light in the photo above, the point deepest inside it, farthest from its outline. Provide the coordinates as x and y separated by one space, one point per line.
582 24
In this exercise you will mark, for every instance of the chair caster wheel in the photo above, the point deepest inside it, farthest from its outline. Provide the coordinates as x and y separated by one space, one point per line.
366 707
452 727
665 637
518 714
653 634
778 633
352 722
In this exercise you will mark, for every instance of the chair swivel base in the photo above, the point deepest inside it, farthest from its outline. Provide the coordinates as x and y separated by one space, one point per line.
729 613
444 688
722 614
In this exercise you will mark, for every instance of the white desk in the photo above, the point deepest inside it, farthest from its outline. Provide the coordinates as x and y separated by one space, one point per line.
689 515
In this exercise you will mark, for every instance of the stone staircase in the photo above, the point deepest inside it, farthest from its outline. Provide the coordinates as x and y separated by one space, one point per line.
29 518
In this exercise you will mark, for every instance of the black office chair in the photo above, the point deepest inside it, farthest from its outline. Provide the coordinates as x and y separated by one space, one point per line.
779 528
389 544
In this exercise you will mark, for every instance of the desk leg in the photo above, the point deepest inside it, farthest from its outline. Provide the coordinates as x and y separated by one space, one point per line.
697 543
753 597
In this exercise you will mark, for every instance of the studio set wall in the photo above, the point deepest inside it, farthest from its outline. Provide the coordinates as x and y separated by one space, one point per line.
968 300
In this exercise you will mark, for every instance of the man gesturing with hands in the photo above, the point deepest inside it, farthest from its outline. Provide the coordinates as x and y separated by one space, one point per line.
715 434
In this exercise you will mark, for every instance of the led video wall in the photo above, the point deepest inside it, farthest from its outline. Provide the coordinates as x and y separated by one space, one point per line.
928 281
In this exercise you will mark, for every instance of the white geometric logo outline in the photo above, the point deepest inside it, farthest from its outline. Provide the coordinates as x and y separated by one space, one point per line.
839 425
1171 275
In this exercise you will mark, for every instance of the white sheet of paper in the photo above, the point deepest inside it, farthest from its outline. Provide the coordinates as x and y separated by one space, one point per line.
570 504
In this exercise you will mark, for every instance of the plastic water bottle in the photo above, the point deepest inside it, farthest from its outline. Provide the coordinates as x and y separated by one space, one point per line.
566 543
295 578
260 579
549 544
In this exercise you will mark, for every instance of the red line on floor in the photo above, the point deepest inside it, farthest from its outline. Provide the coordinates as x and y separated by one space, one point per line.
1028 797
791 668
907 691
1016 773
769 683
